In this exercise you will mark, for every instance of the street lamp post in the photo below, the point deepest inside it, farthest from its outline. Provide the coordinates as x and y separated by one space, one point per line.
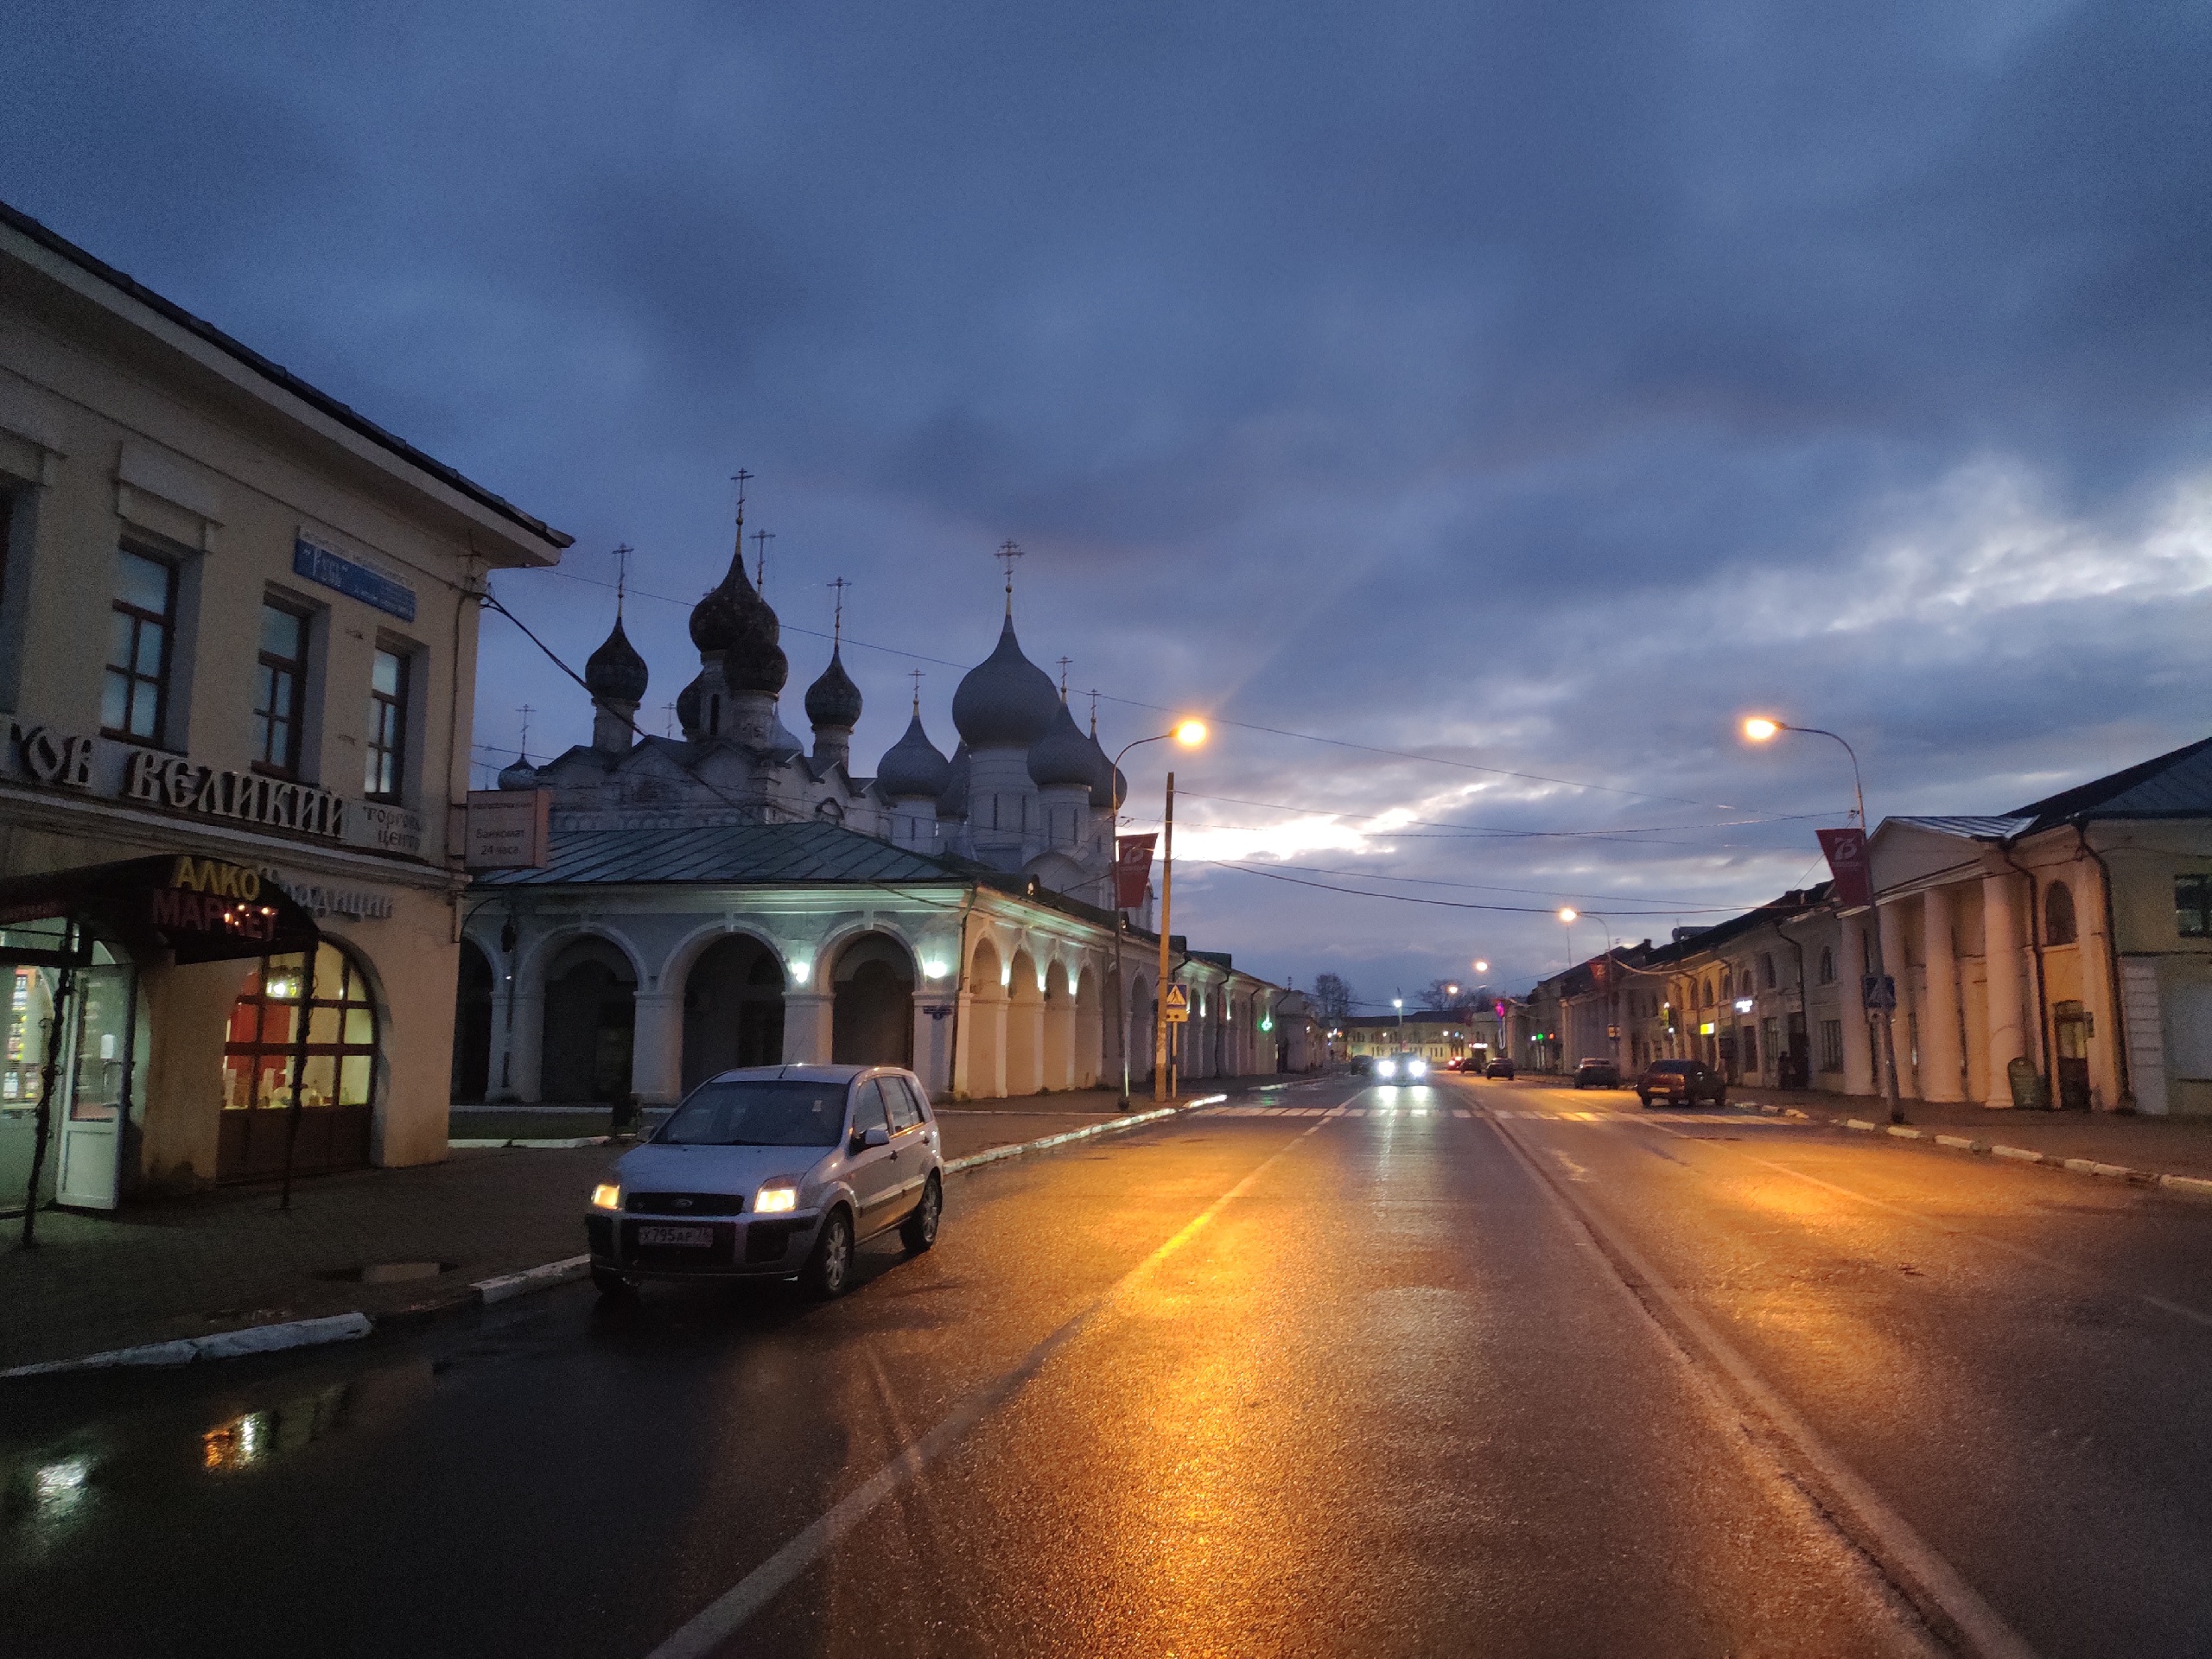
1120 917
1190 733
1764 728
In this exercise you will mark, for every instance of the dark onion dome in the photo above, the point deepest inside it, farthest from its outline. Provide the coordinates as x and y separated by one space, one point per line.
687 705
912 769
736 621
1005 702
1109 787
834 700
953 803
1062 756
615 672
519 774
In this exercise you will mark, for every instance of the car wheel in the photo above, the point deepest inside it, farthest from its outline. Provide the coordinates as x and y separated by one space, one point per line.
1719 1098
612 1285
829 1271
918 1230
1646 1099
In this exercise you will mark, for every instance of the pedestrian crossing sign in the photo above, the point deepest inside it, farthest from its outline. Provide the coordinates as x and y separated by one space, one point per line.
1179 1005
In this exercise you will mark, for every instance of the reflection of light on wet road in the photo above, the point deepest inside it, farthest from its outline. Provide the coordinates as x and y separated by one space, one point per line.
59 1488
246 1442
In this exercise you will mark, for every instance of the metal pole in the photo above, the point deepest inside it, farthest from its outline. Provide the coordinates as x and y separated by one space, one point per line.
1121 918
63 985
299 1066
1159 1082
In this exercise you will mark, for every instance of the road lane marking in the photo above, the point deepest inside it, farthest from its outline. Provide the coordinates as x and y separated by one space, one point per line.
1960 1605
729 1613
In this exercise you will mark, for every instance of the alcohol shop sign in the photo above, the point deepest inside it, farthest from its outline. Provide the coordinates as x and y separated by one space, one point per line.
175 783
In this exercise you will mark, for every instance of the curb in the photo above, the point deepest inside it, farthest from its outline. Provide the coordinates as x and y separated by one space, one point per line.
472 1144
484 1292
1020 1148
2195 1186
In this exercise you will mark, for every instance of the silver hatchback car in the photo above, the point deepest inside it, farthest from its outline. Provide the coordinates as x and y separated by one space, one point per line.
774 1172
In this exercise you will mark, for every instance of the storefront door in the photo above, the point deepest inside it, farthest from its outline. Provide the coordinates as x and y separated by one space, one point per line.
92 1071
99 1096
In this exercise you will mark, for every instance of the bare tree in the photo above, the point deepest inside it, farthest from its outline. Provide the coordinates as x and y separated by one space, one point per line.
1332 997
1443 996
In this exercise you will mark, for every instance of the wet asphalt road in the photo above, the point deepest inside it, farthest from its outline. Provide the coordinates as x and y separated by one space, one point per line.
1360 1383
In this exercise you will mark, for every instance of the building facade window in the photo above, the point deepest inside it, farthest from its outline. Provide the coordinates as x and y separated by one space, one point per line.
1831 1045
1828 965
2193 905
141 632
385 770
280 689
2058 924
1766 970
337 1078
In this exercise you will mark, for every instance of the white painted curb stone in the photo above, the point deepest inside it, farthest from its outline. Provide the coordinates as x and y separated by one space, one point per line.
502 1287
224 1344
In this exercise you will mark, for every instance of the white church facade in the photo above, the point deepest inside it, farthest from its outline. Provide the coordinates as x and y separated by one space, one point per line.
735 898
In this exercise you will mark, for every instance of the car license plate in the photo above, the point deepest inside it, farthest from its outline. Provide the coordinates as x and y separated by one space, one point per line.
693 1238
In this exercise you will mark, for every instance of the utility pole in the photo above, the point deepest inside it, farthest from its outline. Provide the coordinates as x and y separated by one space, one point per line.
1160 1087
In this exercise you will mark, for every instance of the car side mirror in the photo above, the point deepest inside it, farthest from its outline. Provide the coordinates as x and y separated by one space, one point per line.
869 1140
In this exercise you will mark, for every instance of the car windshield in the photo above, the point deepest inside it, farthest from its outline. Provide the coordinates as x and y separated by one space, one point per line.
1680 1068
758 1114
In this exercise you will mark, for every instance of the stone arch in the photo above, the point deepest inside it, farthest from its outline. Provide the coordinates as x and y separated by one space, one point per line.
1059 1027
1143 1010
471 1024
871 979
982 1040
591 1012
733 1008
1024 1027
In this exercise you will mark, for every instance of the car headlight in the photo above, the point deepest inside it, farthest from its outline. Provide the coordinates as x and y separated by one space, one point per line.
1416 1068
1386 1069
778 1199
606 1196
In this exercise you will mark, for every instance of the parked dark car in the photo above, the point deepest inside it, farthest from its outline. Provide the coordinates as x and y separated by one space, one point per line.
1500 1068
1597 1074
1680 1083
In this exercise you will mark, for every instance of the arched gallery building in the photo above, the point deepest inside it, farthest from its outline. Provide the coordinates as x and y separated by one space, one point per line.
728 898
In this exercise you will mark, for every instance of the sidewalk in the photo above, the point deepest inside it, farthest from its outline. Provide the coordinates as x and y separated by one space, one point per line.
229 1260
2167 1145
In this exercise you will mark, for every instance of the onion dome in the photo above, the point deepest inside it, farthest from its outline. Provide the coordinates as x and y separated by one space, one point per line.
687 707
519 774
781 738
834 700
736 622
1109 787
953 803
1005 702
615 673
1062 756
912 768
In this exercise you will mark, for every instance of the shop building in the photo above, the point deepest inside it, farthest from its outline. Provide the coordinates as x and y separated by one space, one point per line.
238 632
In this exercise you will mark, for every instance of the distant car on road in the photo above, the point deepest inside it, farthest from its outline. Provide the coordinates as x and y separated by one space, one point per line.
1597 1074
1499 1068
1680 1083
1401 1068
1470 1063
774 1172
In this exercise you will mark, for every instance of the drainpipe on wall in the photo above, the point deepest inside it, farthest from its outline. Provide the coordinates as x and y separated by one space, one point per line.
2035 949
2119 1038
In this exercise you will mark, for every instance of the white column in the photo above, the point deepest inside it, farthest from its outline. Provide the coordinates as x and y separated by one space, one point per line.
1942 1061
932 1036
527 1045
2001 957
1898 967
657 1047
964 1012
1858 1060
806 1028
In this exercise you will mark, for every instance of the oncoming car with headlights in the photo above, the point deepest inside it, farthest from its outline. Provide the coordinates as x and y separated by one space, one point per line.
1401 1068
775 1172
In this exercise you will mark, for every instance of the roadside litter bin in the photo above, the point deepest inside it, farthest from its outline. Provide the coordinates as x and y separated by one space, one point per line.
2030 1092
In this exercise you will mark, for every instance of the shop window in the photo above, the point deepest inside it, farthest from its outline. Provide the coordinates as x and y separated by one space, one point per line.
2058 925
280 688
385 773
341 1035
142 630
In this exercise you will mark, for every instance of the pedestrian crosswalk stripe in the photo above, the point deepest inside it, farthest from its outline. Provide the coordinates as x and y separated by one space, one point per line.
1461 1111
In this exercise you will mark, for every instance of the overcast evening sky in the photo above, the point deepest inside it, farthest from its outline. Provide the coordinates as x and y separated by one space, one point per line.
1535 388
